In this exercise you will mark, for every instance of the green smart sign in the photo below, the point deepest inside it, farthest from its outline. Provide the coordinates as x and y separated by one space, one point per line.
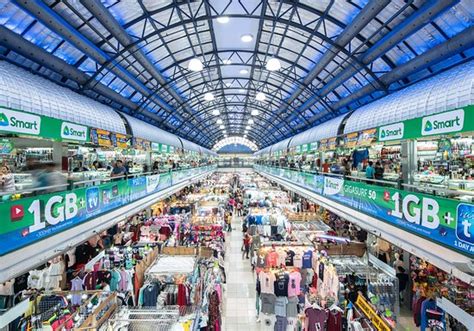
23 123
453 121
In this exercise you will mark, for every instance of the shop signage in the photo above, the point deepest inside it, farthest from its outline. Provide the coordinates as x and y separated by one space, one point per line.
19 122
71 131
451 121
371 314
120 140
101 137
391 132
332 143
6 146
350 140
313 146
32 219
367 137
447 222
155 147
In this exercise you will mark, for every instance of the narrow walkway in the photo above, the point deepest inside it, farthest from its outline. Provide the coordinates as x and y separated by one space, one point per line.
239 296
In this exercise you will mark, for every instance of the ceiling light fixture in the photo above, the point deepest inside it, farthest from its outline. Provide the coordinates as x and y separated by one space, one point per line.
273 64
195 65
216 112
227 61
248 127
228 84
260 96
222 127
251 121
241 90
208 96
244 71
223 19
246 131
254 112
246 38
219 121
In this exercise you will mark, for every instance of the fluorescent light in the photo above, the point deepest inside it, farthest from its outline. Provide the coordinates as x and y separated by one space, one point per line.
219 121
245 136
195 65
222 127
227 61
246 38
216 112
244 71
254 112
246 131
250 121
260 96
223 19
208 96
273 64
248 127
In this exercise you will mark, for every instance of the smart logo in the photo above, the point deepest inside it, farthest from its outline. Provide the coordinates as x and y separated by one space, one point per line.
465 223
72 131
18 122
391 132
443 123
92 199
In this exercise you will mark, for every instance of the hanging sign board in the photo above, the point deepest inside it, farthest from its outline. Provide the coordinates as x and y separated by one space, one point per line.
367 137
120 140
332 143
370 312
351 139
101 137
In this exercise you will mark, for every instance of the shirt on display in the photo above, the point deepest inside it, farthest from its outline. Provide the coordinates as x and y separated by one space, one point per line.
298 259
292 307
261 261
316 319
281 284
289 258
294 284
280 324
268 303
272 259
280 306
308 259
335 321
267 281
268 323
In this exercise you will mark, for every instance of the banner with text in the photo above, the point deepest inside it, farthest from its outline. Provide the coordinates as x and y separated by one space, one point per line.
445 221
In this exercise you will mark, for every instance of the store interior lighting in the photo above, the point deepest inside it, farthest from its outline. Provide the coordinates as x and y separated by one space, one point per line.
251 121
208 96
273 64
216 112
260 96
254 112
195 65
223 19
219 121
246 38
222 126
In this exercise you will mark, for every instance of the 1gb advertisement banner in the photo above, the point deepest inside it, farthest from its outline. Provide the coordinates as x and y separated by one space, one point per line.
447 222
32 219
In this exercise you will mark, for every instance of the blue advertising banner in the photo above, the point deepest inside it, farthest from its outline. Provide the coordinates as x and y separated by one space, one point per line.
447 222
35 218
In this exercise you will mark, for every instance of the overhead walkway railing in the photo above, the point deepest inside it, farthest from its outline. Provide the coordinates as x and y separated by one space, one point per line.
446 225
31 219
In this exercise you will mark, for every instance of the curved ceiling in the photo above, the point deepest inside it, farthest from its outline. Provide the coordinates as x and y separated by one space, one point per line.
236 140
335 56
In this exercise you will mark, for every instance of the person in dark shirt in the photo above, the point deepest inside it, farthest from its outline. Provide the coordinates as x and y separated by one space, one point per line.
402 281
378 171
118 170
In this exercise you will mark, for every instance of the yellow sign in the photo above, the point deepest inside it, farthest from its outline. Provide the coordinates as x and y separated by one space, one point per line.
367 309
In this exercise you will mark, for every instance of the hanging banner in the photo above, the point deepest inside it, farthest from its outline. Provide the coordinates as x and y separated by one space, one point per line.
351 139
447 222
332 143
120 140
367 137
29 220
101 137
14 121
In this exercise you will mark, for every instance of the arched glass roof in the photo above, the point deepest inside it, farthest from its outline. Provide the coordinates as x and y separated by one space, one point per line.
335 56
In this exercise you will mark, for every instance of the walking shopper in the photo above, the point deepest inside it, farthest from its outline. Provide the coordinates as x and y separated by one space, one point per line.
247 242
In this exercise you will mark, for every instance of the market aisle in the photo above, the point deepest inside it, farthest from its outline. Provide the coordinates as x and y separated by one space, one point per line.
239 297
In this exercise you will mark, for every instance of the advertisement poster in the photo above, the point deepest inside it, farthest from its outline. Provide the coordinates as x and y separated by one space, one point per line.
101 137
6 146
29 220
332 143
367 137
447 222
351 139
120 140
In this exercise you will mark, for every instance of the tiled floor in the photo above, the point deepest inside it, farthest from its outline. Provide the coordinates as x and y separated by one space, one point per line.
239 293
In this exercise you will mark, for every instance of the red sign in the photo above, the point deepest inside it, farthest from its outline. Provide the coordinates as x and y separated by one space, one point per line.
17 212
